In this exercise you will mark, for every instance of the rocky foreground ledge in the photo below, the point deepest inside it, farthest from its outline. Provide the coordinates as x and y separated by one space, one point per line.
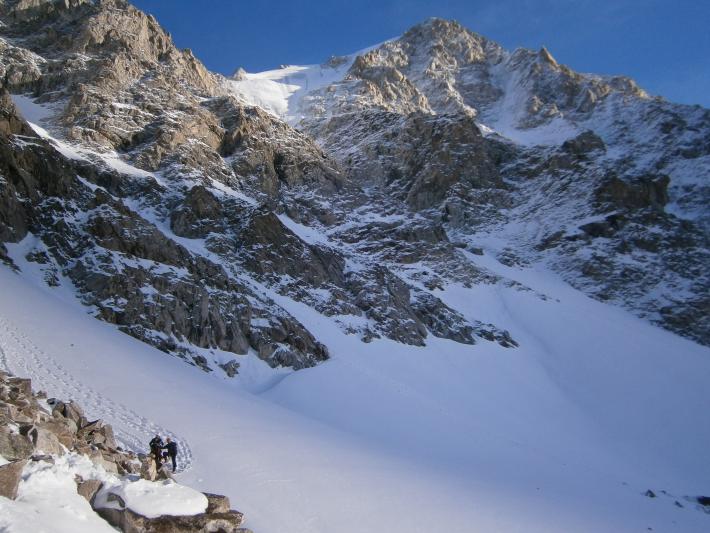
43 439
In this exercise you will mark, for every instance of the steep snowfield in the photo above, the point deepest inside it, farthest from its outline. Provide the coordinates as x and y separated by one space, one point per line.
563 434
280 91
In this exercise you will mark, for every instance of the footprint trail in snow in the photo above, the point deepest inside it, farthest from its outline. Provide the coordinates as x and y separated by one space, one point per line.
20 356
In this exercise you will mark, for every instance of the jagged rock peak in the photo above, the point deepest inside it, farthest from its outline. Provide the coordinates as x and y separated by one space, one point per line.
109 30
441 40
545 55
435 29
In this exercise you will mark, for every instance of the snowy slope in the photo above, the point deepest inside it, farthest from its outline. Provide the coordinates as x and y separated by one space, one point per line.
563 434
281 91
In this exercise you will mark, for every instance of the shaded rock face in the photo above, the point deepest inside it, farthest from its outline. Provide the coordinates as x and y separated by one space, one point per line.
198 214
419 157
137 278
636 193
584 143
270 155
164 113
599 180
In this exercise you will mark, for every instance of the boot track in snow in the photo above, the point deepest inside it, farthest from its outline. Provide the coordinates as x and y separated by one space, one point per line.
20 356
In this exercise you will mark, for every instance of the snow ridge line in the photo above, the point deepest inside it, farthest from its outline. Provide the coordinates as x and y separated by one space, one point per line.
133 431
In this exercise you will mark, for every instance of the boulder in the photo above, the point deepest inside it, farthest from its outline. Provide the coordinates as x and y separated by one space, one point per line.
43 440
73 412
21 417
89 488
10 476
98 459
22 386
14 446
231 368
131 522
64 429
5 415
99 434
148 470
109 439
130 466
216 503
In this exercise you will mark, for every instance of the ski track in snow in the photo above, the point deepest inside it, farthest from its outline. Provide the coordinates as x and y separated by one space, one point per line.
20 356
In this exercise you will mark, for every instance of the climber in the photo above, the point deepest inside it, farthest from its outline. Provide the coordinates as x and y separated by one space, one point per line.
171 446
156 447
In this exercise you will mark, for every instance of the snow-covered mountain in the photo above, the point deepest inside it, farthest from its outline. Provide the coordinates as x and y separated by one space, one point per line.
427 283
588 174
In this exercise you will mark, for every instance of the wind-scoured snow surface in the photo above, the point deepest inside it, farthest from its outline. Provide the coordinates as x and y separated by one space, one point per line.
565 433
280 91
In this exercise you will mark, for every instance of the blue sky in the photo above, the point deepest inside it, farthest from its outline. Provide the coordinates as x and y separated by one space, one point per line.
663 44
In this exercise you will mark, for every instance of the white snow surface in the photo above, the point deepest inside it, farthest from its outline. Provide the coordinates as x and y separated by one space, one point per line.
280 91
565 433
153 499
47 500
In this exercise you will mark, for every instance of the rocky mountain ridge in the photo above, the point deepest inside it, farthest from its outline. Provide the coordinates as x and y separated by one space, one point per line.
193 219
586 174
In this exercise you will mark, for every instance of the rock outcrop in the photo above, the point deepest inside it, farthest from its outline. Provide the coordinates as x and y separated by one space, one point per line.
131 522
10 476
517 147
49 428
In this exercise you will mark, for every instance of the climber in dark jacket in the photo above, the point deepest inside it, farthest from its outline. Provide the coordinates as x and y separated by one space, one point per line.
156 448
171 446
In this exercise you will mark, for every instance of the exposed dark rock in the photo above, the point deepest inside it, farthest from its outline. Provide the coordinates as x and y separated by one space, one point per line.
198 215
584 143
42 457
231 368
639 192
441 320
606 228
